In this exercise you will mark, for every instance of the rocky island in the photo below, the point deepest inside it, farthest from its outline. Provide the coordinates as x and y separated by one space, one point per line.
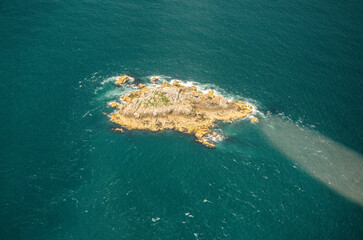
175 106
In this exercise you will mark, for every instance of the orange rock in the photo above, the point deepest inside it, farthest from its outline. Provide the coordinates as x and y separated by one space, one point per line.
119 130
165 84
121 80
255 120
211 94
154 79
206 143
140 86
114 104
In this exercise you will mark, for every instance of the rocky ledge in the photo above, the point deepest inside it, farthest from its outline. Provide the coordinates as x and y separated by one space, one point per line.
178 107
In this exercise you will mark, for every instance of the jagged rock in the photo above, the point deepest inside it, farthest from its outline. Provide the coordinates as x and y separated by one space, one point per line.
122 80
114 104
178 107
211 94
119 130
154 79
254 120
206 143
165 84
140 86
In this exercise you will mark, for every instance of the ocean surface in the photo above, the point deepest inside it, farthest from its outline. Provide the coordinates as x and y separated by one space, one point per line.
64 174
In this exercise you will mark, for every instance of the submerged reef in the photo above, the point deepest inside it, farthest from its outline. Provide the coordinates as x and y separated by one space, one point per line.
178 107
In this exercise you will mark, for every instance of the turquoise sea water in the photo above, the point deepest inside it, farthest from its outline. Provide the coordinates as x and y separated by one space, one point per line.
296 175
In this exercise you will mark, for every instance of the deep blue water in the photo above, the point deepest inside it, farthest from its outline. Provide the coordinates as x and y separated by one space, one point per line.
66 175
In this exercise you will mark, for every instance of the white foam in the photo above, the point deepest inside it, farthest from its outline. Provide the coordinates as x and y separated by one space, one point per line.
189 215
131 80
98 89
85 114
204 88
161 78
110 79
215 139
155 219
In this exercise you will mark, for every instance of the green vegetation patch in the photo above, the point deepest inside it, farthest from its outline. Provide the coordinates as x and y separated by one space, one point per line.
157 99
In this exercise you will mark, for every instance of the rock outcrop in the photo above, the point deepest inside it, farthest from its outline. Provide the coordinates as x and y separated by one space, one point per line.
119 130
140 86
178 107
255 120
122 80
